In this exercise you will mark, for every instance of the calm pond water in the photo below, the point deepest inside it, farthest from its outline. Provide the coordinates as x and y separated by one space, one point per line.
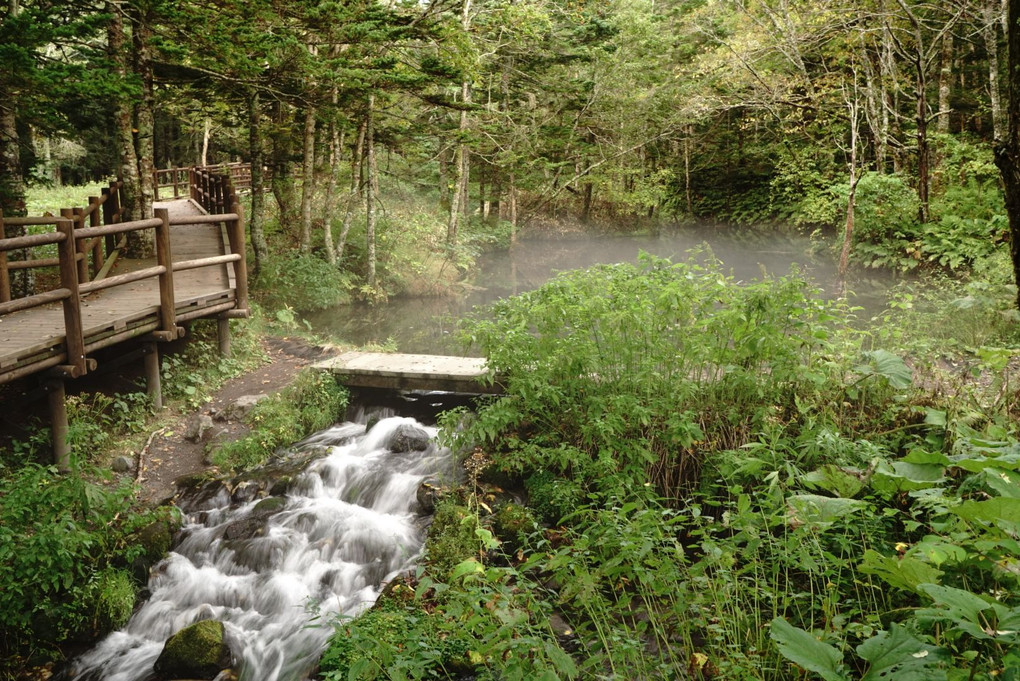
428 325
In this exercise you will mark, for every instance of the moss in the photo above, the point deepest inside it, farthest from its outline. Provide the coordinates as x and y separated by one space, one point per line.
452 537
196 651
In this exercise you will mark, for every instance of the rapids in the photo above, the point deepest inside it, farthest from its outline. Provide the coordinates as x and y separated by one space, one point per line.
345 526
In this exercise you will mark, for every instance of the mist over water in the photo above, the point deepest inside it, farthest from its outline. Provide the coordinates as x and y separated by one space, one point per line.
346 524
428 325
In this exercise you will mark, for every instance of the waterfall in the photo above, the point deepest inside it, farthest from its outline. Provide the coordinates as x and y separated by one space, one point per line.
278 570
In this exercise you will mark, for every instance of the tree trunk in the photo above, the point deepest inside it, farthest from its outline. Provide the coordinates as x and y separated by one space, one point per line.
307 181
848 231
1007 150
989 31
458 201
12 193
123 116
354 191
945 79
206 130
283 179
336 145
142 243
257 217
370 195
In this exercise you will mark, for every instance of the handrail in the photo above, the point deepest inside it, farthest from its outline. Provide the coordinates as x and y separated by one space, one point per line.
71 288
101 210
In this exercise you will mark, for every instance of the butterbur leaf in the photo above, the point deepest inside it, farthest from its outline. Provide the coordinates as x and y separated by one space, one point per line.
889 366
834 480
804 650
993 511
898 655
903 573
818 512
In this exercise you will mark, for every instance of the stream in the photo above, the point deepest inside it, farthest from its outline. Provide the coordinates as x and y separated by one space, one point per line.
428 325
278 569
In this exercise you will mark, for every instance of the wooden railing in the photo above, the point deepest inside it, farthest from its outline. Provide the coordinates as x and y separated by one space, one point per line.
177 180
102 210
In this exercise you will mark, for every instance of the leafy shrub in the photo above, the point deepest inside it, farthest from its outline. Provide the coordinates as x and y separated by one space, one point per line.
886 231
59 535
312 402
618 376
302 281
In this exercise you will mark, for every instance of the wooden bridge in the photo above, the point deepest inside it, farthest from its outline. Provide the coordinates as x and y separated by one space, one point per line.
394 371
101 299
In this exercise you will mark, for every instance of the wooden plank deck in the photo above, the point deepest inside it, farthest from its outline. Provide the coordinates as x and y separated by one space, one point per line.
410 372
36 336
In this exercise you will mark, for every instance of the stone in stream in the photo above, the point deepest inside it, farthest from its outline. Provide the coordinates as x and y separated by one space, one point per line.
407 438
198 651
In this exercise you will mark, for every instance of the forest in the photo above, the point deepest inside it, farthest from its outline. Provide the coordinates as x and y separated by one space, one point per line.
878 115
686 475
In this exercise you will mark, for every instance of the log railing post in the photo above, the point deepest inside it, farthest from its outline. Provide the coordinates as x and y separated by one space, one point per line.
5 274
74 338
73 214
192 180
83 262
95 220
58 423
167 307
235 234
111 241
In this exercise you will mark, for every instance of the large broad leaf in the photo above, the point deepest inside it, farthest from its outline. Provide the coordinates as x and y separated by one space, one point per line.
834 480
904 476
897 654
818 512
903 573
998 511
803 649
889 366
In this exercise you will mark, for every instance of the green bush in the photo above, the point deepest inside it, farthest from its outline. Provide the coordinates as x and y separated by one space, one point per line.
312 402
59 535
619 377
302 281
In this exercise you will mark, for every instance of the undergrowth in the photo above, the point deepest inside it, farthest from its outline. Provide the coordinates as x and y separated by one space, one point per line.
733 484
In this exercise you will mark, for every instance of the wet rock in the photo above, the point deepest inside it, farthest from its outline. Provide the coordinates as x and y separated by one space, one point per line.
427 496
199 651
239 408
253 524
198 427
155 540
408 438
245 492
123 464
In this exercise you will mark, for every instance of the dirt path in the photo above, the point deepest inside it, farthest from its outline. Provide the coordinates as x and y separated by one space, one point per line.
169 455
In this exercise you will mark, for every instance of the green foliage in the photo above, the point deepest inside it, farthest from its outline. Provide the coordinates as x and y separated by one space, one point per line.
312 402
481 621
886 230
618 376
452 537
60 537
304 282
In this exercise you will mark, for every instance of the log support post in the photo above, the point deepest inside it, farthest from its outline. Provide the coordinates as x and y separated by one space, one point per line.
58 423
223 335
153 386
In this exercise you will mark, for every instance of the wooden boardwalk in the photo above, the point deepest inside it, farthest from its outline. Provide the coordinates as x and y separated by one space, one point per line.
410 372
34 339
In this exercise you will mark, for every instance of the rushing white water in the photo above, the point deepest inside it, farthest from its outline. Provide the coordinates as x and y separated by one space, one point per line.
346 525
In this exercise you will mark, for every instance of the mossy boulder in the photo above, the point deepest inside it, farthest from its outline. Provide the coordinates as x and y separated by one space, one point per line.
198 651
155 540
